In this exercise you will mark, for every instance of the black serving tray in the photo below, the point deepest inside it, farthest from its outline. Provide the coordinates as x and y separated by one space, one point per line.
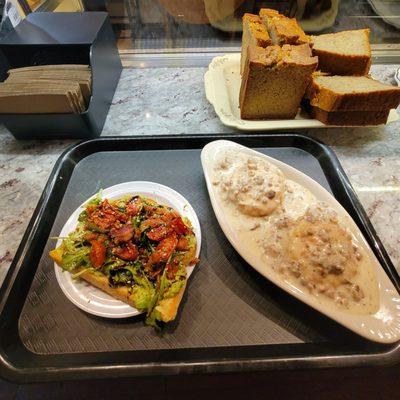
231 318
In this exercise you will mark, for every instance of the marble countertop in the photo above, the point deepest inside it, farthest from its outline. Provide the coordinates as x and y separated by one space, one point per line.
162 101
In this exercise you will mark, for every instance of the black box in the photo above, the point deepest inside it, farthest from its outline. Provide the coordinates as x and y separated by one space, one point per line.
64 38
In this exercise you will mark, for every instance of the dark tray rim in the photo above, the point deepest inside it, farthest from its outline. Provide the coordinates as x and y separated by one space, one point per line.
47 368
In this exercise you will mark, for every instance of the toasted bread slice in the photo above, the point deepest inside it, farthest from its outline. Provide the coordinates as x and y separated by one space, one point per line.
281 29
343 53
351 93
274 81
254 32
167 308
101 282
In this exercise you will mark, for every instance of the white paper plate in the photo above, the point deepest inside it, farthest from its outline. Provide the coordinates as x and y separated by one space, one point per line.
222 86
384 325
93 300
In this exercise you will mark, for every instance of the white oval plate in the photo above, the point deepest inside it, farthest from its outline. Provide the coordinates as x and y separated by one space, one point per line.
384 325
92 300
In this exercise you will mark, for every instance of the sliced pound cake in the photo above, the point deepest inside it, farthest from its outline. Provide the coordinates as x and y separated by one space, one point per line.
281 29
343 53
350 100
351 93
274 81
254 32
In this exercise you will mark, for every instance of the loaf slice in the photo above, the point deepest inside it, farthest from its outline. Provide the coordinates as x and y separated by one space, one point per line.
358 93
283 30
350 118
254 32
274 81
343 53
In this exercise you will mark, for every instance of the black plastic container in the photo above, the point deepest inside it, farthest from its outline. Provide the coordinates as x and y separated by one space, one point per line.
64 38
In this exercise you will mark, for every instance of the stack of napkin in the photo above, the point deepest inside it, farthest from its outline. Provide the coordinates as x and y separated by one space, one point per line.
46 89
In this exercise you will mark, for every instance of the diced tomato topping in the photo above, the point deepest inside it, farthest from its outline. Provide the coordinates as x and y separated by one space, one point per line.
102 238
166 247
163 225
163 251
179 226
158 229
112 226
89 236
150 210
133 209
137 234
158 233
172 269
129 252
134 206
97 253
151 223
122 234
106 215
183 244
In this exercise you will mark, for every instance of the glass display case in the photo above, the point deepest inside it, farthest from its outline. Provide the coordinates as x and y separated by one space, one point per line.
210 26
148 26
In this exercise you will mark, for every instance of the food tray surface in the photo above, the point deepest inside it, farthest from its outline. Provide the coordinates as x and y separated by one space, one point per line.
230 318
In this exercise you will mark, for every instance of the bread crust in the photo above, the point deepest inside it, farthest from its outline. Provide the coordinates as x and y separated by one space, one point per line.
339 64
350 118
168 308
328 100
283 30
255 33
102 283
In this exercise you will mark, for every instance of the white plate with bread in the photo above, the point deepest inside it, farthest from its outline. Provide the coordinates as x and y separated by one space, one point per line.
284 79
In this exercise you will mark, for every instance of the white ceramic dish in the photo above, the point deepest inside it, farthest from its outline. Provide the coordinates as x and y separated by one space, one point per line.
222 86
92 300
384 325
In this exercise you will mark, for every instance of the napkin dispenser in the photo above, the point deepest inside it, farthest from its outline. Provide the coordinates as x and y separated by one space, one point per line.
64 38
